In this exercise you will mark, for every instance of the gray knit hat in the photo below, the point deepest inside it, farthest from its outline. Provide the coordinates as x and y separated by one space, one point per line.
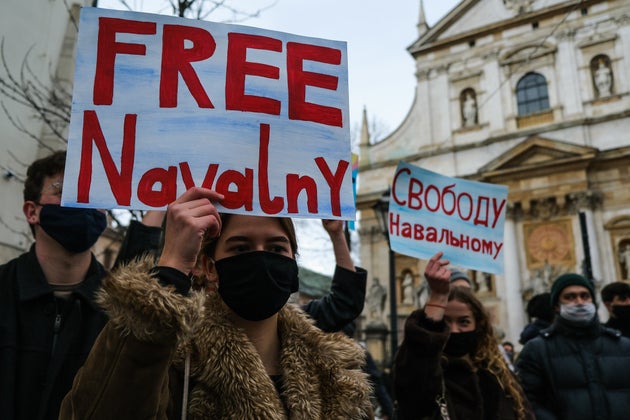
456 275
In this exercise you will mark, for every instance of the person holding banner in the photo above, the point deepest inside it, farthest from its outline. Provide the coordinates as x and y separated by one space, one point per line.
168 352
331 313
48 317
449 364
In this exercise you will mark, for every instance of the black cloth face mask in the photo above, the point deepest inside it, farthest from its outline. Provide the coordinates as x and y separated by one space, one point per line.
461 344
621 312
76 229
256 285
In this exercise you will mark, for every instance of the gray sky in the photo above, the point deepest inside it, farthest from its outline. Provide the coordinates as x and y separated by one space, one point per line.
381 71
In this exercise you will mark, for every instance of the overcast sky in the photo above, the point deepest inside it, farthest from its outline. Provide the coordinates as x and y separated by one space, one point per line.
378 32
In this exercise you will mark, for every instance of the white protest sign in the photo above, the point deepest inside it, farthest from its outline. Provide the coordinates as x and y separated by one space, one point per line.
162 104
429 212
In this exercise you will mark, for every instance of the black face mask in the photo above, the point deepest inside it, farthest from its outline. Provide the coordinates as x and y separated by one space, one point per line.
256 285
76 229
621 312
461 344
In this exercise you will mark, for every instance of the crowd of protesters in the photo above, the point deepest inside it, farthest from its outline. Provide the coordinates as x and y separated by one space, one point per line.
194 321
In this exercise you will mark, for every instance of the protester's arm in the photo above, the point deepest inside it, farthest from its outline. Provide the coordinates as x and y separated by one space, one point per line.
126 372
346 299
417 371
335 230
150 312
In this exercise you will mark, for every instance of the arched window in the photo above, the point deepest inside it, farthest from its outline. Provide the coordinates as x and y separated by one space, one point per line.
531 94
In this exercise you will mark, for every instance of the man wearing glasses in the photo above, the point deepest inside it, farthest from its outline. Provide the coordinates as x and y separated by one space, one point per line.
48 318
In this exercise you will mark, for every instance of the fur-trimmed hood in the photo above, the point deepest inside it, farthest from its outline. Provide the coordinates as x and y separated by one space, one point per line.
322 372
322 376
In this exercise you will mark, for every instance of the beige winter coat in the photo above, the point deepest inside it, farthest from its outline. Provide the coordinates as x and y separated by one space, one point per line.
136 367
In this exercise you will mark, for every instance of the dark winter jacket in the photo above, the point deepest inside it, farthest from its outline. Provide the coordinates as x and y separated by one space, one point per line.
43 340
420 368
532 330
343 304
136 368
139 240
618 324
577 372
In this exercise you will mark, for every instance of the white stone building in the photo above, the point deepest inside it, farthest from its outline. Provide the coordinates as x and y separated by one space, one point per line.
43 35
535 95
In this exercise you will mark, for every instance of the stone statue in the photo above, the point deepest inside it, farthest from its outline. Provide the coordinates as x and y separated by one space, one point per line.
520 6
376 302
407 289
483 281
421 295
624 259
469 110
603 79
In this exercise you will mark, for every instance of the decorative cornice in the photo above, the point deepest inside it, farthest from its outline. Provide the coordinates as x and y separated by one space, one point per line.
584 200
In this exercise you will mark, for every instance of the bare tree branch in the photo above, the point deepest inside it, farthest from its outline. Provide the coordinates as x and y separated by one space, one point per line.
72 19
51 105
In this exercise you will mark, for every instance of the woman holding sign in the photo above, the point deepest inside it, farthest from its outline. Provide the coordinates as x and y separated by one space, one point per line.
449 364
241 353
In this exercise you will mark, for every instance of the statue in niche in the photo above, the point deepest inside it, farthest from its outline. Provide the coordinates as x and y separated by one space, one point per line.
541 279
376 302
421 295
407 289
469 108
602 77
483 282
520 6
624 259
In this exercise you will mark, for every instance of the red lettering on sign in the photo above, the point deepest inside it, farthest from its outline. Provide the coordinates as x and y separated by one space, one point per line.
176 59
166 194
238 68
298 79
119 181
108 48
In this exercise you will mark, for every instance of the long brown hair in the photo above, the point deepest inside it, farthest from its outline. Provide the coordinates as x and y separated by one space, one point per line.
487 355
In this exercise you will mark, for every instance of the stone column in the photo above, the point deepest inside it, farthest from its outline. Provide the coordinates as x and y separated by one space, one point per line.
513 299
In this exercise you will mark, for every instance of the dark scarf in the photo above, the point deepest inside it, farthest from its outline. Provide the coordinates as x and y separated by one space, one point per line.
576 329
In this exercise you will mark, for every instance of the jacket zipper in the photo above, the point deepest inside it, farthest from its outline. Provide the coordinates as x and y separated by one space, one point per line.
56 329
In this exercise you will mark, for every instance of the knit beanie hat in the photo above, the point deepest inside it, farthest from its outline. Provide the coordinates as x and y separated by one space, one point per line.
569 279
456 275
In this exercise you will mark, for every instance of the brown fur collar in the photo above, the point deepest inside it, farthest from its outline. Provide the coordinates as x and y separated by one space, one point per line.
322 372
137 304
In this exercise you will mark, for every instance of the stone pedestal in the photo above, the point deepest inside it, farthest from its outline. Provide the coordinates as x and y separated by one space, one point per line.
375 339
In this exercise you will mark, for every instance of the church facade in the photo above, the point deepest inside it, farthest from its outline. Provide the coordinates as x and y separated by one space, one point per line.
533 95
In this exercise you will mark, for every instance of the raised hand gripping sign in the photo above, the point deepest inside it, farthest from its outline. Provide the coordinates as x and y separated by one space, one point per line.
429 212
162 104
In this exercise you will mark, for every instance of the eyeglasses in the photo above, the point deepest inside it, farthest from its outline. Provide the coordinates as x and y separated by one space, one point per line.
54 188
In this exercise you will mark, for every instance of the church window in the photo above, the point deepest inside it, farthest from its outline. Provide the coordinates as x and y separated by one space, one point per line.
531 94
